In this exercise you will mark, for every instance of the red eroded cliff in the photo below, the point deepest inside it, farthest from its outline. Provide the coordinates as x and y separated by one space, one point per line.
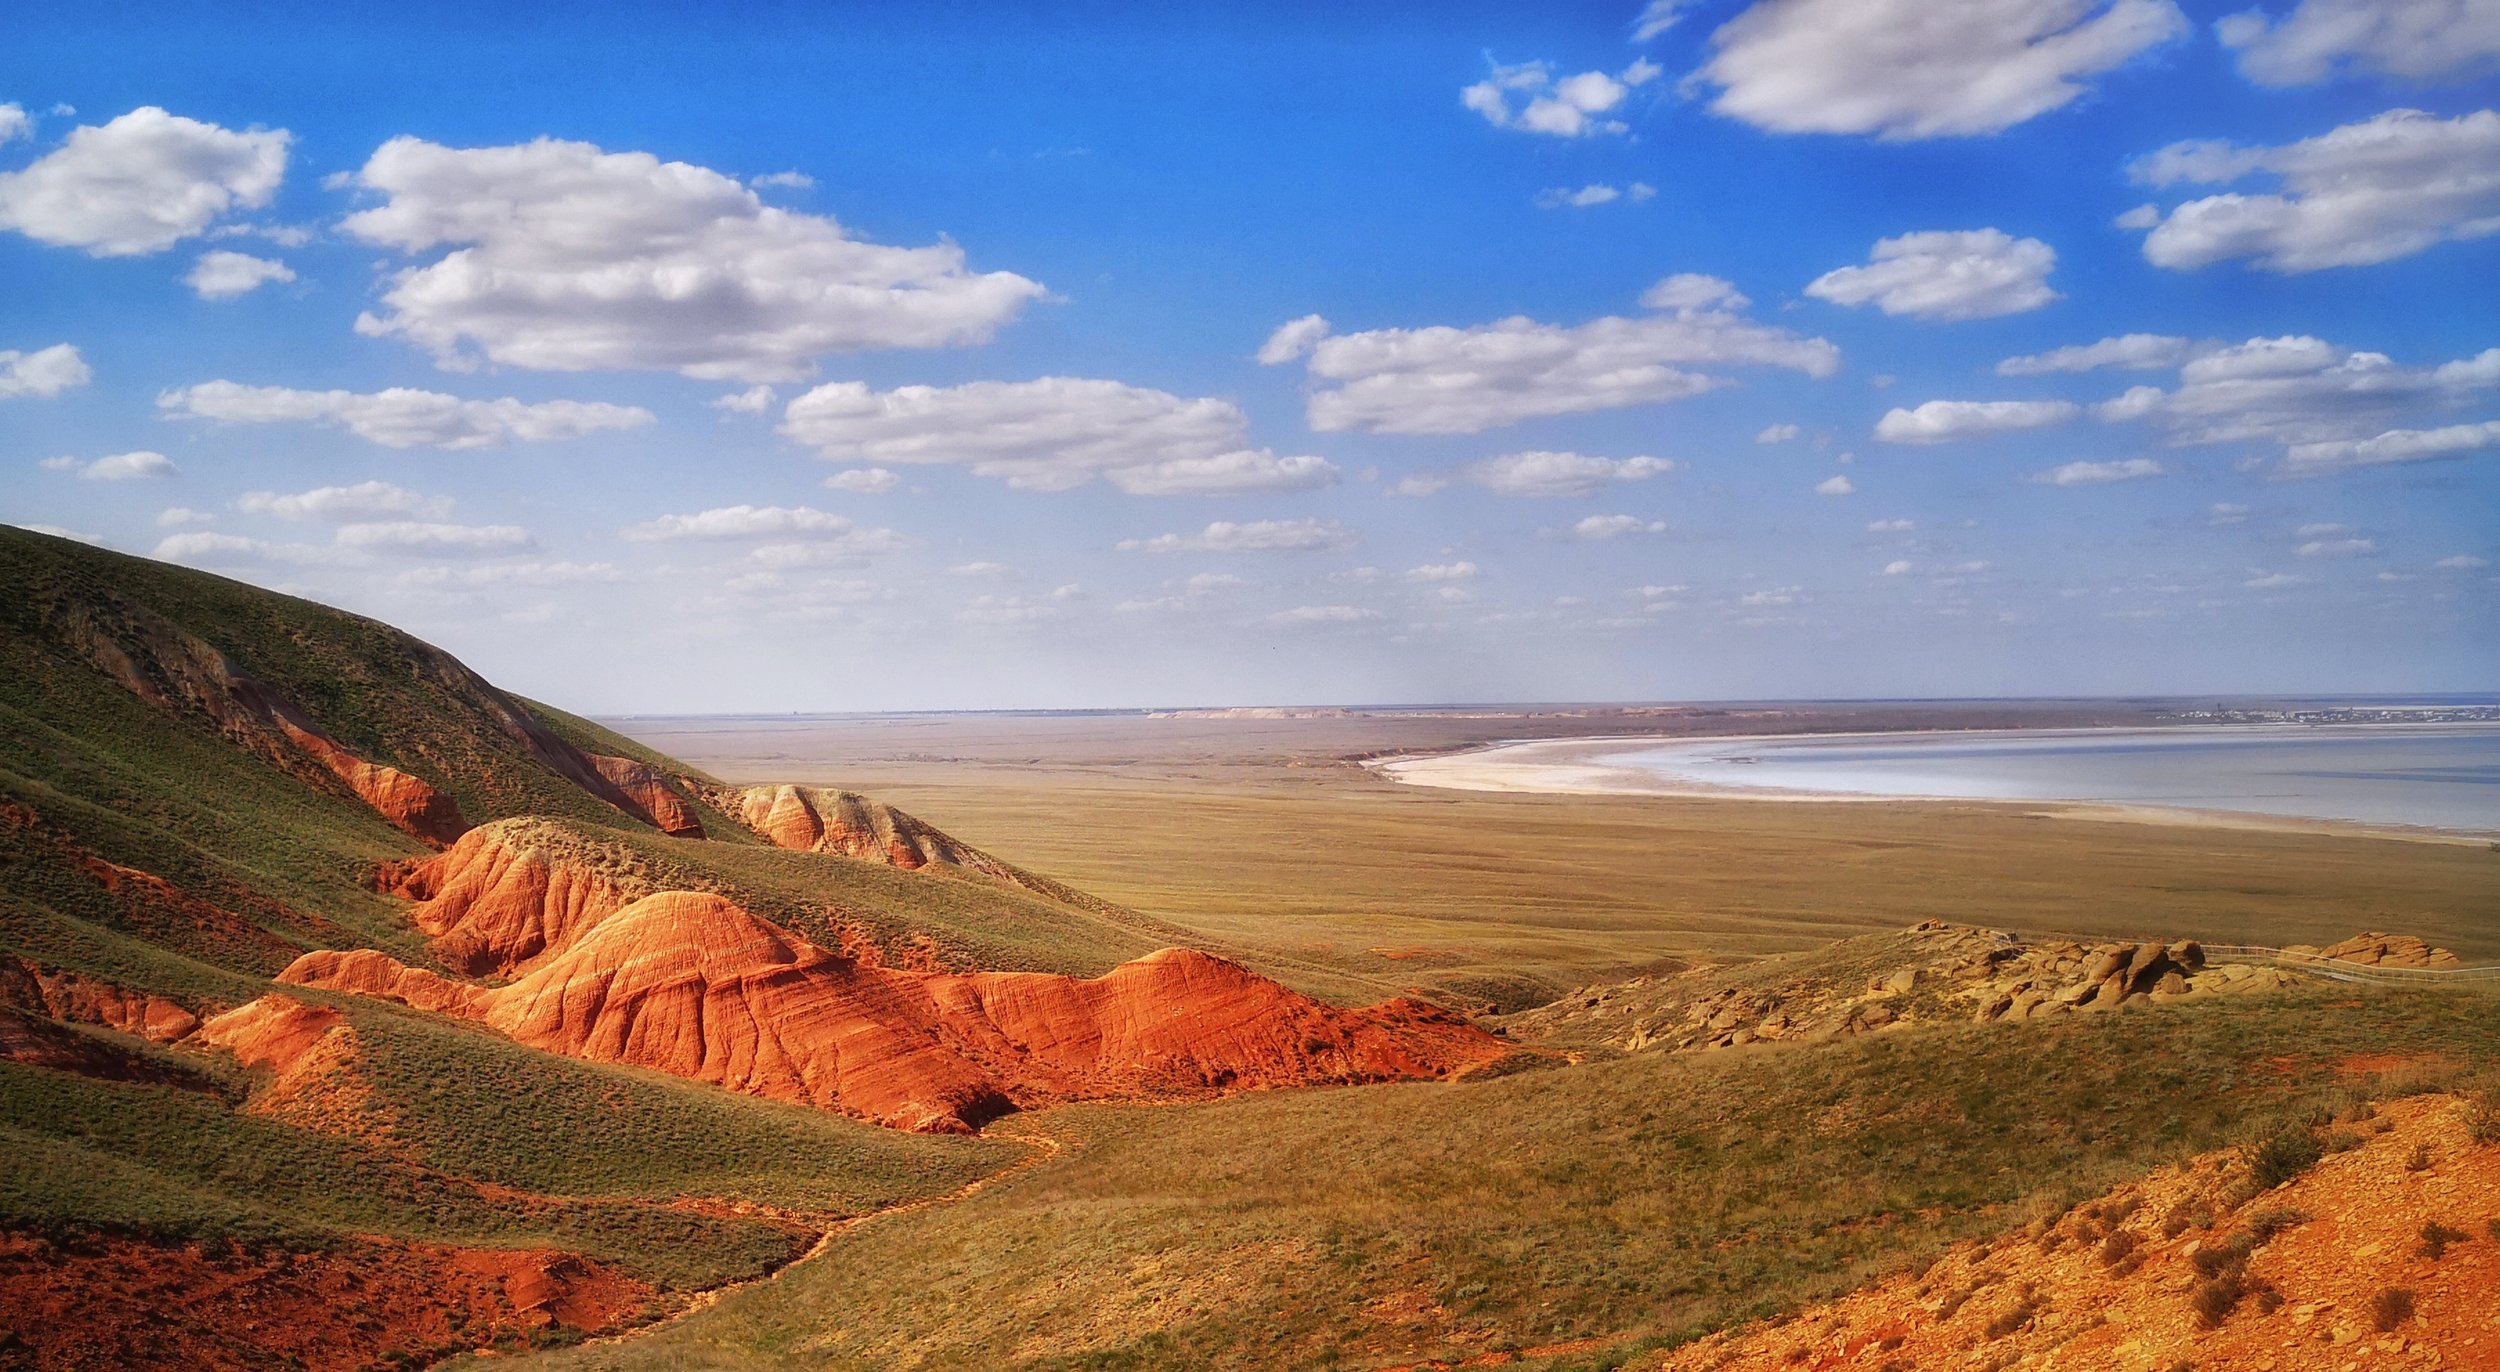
503 895
693 985
814 819
647 795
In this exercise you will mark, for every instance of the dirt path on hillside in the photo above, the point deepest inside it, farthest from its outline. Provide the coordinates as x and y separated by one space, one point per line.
1044 1146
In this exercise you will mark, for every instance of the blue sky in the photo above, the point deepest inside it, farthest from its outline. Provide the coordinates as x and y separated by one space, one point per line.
829 357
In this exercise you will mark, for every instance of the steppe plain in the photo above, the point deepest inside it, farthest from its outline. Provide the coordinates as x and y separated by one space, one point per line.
1263 830
1592 1214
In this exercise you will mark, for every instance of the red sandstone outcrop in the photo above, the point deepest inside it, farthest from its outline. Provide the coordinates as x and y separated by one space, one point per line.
2381 950
175 672
178 673
273 1032
649 793
77 999
315 1061
507 893
693 985
109 1301
814 819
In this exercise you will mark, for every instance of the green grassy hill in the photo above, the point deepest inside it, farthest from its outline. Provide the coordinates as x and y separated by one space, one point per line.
149 848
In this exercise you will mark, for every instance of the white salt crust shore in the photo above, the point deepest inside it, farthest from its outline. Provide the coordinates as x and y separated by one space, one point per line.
1572 766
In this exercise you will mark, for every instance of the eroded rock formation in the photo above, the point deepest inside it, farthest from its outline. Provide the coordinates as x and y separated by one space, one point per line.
110 1300
814 819
70 997
1932 973
507 893
175 672
693 985
2381 950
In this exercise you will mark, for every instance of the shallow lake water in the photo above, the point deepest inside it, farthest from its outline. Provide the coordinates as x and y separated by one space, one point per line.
2435 776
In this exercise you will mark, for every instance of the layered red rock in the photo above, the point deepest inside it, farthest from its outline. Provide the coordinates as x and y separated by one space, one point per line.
649 794
315 1068
504 895
107 1300
693 985
173 671
77 999
817 820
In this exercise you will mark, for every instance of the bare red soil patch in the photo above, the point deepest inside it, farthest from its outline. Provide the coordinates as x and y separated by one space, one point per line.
107 1301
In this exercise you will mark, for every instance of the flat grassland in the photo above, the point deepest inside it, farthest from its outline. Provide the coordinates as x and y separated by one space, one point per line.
1270 840
1577 1216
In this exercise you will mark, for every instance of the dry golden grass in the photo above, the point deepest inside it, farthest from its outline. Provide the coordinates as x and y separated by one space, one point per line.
1258 835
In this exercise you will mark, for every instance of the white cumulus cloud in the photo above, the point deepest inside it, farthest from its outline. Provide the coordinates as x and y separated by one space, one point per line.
401 417
1946 274
1446 380
1593 194
1292 339
1052 434
2333 408
364 501
2101 473
1325 614
228 275
565 257
141 183
2135 352
2392 447
2411 40
1432 572
757 399
1905 69
2390 186
45 371
515 574
425 539
1602 528
1946 421
1778 433
1836 485
1553 475
1530 98
798 526
863 481
14 123
130 466
1256 536
2338 547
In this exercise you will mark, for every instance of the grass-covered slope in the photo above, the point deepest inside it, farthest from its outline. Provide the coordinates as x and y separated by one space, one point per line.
1577 1215
157 848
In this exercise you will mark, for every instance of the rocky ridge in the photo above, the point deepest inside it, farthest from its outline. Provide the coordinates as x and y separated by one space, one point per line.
691 984
2383 1255
1934 972
2381 950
